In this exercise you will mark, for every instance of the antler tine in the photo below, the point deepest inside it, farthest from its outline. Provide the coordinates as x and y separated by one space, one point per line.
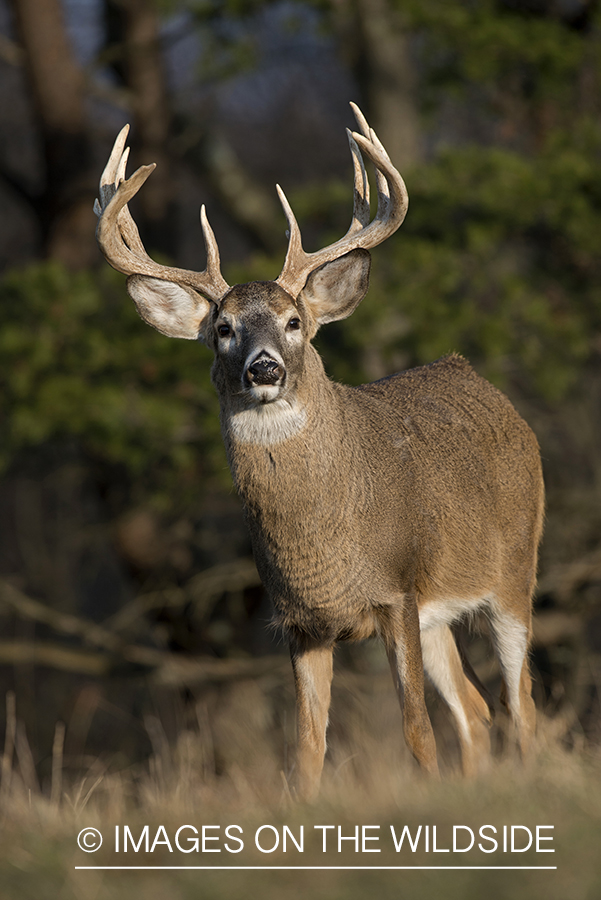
393 200
122 167
392 208
295 242
116 232
119 239
361 210
361 120
112 176
382 184
213 268
371 135
109 180
384 194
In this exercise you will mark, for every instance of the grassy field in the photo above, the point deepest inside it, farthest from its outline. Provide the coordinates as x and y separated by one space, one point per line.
371 792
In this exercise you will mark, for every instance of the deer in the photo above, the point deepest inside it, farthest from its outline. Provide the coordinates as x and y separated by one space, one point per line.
392 509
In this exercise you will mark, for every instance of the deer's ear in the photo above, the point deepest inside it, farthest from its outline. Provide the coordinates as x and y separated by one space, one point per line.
173 309
336 289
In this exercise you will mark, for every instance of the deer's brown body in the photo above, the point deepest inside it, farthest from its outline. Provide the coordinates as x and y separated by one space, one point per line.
346 520
394 508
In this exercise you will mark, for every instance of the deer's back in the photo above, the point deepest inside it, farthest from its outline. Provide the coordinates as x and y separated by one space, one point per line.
456 472
447 416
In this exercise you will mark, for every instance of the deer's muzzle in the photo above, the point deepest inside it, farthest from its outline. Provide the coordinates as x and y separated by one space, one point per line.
265 371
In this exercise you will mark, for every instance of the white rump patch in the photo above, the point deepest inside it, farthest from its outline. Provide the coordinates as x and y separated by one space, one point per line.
268 423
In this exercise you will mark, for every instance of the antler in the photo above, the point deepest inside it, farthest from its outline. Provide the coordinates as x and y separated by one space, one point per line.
119 238
392 208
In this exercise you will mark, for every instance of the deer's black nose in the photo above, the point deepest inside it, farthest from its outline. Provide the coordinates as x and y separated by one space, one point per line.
265 370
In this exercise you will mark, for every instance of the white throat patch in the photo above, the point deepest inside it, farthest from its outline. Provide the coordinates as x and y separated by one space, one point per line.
268 423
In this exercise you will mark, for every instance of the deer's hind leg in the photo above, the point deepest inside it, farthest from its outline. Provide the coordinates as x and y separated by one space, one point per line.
512 631
470 710
400 632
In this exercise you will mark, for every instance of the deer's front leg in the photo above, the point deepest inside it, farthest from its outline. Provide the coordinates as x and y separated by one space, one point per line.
400 632
312 665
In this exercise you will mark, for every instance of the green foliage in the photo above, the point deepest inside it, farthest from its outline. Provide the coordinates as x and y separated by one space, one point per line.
77 363
508 50
497 260
508 247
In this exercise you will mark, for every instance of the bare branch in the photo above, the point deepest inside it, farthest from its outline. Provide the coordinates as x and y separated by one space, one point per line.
167 669
199 591
64 623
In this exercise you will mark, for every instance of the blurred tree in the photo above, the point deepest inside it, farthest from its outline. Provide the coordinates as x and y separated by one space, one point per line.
133 45
78 366
57 89
375 41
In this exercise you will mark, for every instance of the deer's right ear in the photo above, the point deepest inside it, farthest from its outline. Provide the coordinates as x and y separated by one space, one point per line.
336 289
173 309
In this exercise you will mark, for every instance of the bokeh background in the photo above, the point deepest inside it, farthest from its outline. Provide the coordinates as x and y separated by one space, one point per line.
131 612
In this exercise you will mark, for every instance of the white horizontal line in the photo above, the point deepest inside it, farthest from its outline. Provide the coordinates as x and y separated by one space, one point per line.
313 868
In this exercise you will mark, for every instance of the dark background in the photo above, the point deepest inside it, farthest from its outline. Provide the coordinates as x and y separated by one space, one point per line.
130 607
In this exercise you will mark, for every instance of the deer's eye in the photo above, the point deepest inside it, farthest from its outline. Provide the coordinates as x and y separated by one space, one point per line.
294 324
223 330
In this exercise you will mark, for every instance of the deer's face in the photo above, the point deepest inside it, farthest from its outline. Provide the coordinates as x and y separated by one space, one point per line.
259 337
260 332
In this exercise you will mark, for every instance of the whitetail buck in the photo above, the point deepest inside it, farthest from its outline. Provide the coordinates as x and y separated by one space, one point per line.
394 508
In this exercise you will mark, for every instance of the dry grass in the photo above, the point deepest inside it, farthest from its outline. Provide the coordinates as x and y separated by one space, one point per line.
227 769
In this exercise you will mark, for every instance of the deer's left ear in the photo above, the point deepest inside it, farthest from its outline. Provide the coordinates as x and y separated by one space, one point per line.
336 289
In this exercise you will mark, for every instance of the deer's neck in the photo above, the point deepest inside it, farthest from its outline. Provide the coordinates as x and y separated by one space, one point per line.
290 454
305 500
